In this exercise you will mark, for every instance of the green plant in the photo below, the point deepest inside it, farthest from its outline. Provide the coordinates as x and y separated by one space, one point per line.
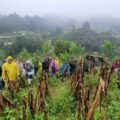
9 114
61 103
54 81
39 116
24 54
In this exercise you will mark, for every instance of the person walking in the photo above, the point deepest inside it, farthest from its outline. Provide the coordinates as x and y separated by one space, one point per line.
10 73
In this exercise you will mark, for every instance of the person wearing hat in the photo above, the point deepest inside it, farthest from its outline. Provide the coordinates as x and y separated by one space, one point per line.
10 71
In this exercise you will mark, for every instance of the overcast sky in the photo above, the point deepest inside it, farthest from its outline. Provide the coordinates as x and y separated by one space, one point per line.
69 8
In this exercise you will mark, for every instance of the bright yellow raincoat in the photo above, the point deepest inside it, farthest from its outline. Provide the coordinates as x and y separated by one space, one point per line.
10 71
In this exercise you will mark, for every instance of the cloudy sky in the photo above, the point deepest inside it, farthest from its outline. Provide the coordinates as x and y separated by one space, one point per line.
69 8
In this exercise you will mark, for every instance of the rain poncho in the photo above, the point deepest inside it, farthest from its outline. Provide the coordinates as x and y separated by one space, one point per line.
10 71
21 68
65 67
53 68
57 62
29 68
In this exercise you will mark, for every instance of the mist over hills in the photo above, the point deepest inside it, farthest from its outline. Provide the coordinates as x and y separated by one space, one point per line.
90 33
14 22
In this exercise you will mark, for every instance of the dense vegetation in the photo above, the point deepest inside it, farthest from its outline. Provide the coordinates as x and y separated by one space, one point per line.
83 39
60 102
45 29
36 38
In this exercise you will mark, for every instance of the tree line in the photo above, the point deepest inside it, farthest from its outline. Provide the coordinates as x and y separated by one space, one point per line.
44 30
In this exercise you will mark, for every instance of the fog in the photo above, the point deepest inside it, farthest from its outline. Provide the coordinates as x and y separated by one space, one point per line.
81 9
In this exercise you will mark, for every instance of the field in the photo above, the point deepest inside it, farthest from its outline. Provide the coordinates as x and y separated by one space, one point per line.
81 96
53 98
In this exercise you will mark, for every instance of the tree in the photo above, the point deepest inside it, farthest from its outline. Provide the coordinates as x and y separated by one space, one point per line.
75 49
47 48
31 42
61 46
107 49
86 26
24 54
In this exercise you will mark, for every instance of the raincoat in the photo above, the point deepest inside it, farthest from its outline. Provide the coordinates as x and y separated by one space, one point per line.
10 71
53 68
57 62
21 68
30 71
65 67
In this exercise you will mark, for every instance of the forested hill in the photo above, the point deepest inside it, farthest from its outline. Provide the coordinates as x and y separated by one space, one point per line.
37 30
14 22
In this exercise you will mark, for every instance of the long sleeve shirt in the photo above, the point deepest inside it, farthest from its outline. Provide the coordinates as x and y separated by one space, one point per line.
10 71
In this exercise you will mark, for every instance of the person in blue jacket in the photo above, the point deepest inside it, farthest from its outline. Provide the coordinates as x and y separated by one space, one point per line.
65 68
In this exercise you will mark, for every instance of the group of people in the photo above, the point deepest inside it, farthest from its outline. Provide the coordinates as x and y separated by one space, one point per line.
12 69
55 67
116 68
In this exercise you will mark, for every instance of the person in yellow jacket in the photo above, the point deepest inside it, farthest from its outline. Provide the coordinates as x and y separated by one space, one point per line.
10 71
57 61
